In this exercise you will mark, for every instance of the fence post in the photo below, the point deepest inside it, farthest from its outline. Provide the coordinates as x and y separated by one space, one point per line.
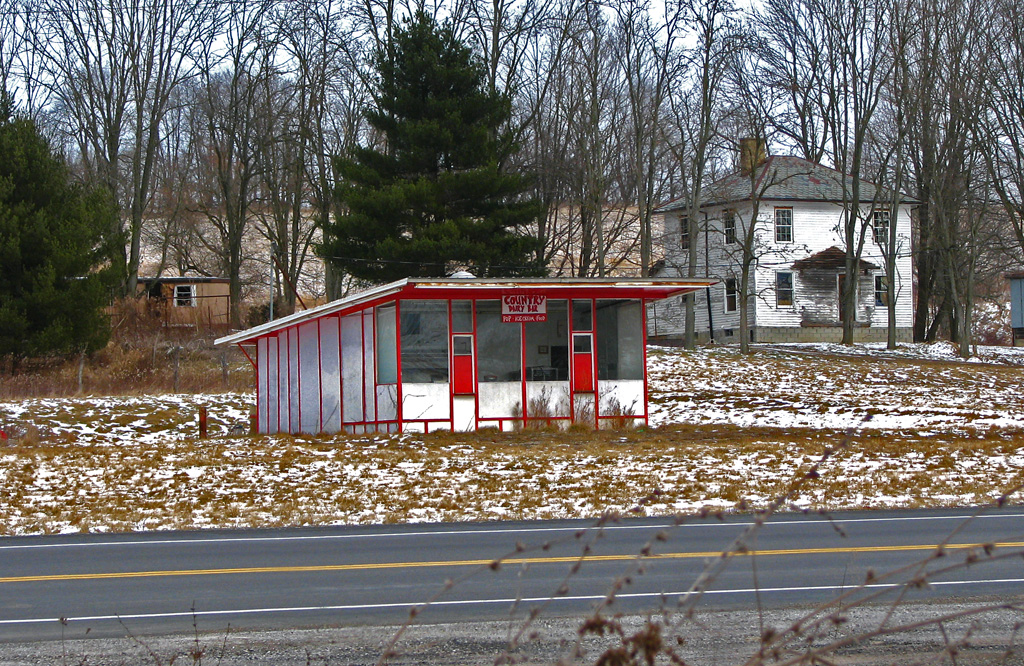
202 422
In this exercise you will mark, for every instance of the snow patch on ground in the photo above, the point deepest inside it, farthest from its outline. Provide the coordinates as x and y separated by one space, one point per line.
935 431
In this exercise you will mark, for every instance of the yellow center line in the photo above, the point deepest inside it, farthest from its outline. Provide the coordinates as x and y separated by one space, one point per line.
478 563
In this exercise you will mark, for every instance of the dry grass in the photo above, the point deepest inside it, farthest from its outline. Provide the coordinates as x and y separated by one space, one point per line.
743 426
275 481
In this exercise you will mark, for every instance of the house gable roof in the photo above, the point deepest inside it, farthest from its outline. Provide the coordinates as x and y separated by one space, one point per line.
784 178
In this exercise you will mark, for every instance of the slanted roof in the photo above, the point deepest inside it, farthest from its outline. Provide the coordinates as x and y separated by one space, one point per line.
185 280
830 259
783 178
649 288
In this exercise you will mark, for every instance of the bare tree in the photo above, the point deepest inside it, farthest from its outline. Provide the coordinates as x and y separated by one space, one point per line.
792 63
1004 122
231 134
648 59
699 113
113 66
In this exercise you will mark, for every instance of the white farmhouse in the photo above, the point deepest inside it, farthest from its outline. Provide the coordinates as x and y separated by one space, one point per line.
799 270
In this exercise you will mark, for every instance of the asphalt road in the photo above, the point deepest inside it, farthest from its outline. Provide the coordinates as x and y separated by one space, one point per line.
66 587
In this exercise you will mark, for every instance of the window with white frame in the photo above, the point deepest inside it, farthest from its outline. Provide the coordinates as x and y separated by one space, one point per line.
731 295
783 225
684 233
783 289
880 226
881 291
185 295
729 226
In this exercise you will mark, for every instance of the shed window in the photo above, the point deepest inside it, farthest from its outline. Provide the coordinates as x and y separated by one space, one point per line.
424 341
547 344
387 352
498 345
783 225
783 289
620 340
462 316
185 295
582 315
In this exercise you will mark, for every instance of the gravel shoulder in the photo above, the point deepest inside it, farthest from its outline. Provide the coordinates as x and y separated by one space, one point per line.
711 637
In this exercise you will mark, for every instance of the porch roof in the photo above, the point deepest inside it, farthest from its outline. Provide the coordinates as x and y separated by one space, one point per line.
833 258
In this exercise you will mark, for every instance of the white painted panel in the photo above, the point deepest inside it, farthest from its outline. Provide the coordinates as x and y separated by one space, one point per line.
464 413
369 374
264 366
352 368
426 401
309 370
583 408
620 397
547 399
500 399
294 404
282 383
330 374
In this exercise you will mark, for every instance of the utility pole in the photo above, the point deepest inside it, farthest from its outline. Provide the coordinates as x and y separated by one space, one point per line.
273 277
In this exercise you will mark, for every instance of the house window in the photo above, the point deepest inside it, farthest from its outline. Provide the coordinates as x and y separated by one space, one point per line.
729 226
783 225
185 295
881 291
880 226
783 288
684 233
730 295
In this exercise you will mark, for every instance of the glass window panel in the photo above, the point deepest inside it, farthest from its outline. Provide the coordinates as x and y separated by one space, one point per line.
462 316
462 345
620 340
387 364
424 341
582 316
581 344
547 345
783 289
784 225
499 346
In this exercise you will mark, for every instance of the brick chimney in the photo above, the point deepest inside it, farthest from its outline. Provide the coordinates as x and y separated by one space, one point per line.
752 154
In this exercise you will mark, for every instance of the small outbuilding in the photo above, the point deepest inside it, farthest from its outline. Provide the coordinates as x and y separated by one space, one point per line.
1016 279
188 302
425 354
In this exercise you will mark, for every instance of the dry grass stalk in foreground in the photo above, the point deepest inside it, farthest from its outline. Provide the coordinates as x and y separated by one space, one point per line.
818 636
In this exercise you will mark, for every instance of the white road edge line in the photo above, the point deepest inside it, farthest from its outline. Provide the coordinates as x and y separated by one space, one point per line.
469 602
445 533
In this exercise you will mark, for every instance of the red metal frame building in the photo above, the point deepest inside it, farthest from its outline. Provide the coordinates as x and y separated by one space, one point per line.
423 354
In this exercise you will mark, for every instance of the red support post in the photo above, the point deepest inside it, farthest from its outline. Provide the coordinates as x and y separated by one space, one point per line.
202 422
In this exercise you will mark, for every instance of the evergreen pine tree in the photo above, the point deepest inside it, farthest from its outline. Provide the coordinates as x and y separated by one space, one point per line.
51 249
437 197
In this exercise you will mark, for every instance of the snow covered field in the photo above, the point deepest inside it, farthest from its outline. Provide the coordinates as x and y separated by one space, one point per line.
917 428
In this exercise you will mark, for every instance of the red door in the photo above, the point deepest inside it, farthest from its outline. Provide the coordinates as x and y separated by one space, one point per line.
583 362
462 365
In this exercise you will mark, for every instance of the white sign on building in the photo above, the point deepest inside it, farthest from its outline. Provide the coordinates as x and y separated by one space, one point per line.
519 308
